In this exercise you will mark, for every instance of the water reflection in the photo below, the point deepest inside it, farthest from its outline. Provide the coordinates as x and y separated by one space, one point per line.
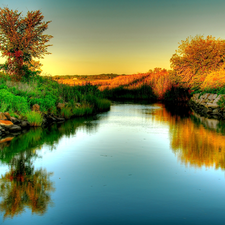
23 186
196 141
35 138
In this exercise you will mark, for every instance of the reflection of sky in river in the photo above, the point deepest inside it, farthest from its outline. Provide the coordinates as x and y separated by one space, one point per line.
126 173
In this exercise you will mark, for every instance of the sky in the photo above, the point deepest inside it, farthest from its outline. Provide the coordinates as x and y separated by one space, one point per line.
120 36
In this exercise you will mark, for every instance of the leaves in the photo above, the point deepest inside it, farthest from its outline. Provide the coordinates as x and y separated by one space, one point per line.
196 57
22 38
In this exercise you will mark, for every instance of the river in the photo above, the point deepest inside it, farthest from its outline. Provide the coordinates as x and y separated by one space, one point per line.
136 164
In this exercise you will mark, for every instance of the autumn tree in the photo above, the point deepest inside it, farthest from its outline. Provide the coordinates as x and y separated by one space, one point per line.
22 40
197 56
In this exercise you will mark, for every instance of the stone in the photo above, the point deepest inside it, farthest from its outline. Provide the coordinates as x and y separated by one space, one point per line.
6 123
212 97
218 98
51 118
7 115
212 105
35 108
15 128
209 110
24 124
195 96
60 105
15 120
2 116
2 129
60 119
6 139
16 134
215 111
205 96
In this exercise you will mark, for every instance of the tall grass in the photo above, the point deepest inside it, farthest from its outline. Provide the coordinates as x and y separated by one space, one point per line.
19 97
34 118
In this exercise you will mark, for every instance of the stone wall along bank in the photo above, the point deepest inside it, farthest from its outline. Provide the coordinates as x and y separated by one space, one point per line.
207 105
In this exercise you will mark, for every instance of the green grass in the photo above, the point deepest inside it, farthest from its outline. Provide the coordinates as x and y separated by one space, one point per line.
34 118
19 97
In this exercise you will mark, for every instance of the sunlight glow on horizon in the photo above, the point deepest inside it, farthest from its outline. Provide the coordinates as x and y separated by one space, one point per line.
122 37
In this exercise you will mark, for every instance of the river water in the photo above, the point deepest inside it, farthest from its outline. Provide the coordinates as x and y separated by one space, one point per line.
136 164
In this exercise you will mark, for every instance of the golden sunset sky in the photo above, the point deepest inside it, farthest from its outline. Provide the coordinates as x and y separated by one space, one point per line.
120 36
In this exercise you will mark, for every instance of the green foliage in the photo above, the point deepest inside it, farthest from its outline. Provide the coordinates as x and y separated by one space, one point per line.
221 103
82 111
143 92
34 118
4 106
47 93
12 102
177 94
28 74
66 112
218 91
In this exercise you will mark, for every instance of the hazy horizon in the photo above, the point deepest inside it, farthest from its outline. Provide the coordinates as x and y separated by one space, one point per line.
120 36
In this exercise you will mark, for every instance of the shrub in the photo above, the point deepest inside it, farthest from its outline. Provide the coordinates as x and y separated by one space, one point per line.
34 118
66 112
12 102
82 111
103 104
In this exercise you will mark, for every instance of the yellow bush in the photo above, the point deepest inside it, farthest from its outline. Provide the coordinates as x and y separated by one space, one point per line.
215 79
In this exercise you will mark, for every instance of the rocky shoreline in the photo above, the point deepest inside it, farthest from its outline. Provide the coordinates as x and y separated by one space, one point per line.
13 126
207 105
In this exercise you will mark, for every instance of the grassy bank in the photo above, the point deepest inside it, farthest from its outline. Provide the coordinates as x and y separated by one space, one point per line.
43 95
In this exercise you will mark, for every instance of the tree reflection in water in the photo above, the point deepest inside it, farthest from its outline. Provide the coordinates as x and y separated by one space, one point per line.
195 141
23 186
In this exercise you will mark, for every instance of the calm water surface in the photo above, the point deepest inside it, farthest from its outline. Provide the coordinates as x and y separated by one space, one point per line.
136 164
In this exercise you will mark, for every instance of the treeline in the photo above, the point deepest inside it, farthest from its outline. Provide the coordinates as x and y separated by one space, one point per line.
198 65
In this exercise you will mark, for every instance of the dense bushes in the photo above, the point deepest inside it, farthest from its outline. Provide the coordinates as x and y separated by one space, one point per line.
142 92
11 102
19 97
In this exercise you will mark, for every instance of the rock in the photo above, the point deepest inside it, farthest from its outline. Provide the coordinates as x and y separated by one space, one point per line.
215 111
212 105
35 108
44 120
212 97
60 105
16 134
6 123
60 119
2 129
7 115
6 139
217 99
195 97
24 124
15 121
15 128
2 116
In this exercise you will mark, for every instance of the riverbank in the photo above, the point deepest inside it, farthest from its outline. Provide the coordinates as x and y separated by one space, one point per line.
40 101
208 105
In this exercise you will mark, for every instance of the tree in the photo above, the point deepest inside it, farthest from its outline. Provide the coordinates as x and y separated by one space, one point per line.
22 39
197 56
